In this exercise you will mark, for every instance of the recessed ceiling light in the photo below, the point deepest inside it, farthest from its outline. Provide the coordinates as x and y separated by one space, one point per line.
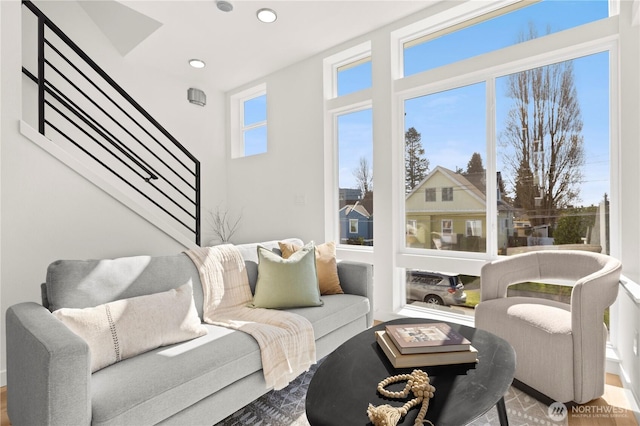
197 63
224 6
267 15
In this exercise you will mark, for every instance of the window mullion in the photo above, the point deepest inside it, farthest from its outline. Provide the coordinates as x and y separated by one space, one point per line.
492 174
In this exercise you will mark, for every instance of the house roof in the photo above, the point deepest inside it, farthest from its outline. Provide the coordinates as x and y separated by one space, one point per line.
474 184
357 207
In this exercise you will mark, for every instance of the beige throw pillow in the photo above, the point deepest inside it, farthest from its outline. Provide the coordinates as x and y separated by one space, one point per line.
326 265
124 328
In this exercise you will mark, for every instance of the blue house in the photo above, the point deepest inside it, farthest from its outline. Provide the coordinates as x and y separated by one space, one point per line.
356 225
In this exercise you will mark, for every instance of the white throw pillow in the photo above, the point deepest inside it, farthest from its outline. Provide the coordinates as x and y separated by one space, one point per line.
124 328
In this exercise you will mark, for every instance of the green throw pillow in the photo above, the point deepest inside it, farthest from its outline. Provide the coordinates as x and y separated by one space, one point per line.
287 283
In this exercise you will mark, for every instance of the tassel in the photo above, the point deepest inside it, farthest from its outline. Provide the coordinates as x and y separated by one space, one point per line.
383 415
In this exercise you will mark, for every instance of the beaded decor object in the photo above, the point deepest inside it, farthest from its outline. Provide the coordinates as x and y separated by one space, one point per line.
418 384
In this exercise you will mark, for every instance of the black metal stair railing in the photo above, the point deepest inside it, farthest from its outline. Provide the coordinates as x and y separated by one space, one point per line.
78 101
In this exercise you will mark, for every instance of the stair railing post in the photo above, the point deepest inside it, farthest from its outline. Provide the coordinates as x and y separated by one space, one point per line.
198 228
41 83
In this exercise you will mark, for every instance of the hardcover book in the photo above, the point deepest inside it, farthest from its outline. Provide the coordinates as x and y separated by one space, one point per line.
426 338
425 359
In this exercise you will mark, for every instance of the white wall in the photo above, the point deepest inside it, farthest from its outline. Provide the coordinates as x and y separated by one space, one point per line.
48 211
281 192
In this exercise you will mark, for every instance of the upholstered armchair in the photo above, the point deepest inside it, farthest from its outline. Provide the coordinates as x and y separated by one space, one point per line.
560 347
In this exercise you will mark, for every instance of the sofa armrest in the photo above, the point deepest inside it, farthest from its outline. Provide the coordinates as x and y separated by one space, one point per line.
357 278
48 369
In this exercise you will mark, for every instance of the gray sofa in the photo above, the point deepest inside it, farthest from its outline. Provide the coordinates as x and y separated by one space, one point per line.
198 382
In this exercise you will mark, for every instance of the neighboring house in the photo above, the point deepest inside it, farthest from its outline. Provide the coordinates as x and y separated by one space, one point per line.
356 225
447 210
349 196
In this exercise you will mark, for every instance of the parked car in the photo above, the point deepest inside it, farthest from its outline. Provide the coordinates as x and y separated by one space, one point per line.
435 288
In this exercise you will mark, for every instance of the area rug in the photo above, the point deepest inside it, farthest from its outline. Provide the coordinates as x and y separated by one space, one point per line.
286 408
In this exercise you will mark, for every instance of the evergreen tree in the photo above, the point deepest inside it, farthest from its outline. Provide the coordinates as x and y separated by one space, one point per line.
415 164
475 164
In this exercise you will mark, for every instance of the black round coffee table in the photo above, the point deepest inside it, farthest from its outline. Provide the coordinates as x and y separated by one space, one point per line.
345 383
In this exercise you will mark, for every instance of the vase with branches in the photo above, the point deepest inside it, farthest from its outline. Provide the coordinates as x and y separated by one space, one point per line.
223 224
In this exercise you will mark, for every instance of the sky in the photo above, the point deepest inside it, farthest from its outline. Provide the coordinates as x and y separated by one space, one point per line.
452 123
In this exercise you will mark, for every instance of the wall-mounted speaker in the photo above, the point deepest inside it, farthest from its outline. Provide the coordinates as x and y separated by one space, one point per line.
197 96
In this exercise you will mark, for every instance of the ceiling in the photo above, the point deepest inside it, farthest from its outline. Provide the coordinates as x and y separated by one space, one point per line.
236 47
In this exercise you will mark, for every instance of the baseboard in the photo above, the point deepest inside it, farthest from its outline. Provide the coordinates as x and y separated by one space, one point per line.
3 378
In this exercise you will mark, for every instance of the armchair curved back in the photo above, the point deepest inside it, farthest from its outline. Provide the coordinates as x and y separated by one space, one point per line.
586 269
595 279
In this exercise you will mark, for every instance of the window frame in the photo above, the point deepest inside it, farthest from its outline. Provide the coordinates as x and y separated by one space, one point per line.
598 36
335 106
448 191
238 129
353 229
430 195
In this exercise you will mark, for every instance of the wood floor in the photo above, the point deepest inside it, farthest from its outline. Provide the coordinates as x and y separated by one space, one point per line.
610 410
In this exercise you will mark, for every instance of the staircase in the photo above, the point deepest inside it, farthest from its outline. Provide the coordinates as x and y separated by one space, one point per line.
85 119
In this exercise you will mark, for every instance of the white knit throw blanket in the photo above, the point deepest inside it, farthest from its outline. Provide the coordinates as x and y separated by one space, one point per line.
286 340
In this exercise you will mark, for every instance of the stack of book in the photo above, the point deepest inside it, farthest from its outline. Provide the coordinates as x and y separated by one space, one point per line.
425 345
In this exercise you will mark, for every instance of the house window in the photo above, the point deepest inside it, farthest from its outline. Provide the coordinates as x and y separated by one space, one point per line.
447 226
249 122
353 226
431 48
447 194
473 228
430 194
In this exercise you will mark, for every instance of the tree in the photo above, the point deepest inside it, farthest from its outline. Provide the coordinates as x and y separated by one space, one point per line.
574 224
543 141
475 164
416 166
364 176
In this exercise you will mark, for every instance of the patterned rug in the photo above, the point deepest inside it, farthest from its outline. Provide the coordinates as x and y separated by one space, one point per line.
286 408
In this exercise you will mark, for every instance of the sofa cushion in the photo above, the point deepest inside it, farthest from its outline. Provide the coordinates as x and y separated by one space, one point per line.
326 265
287 283
166 380
124 328
87 283
157 384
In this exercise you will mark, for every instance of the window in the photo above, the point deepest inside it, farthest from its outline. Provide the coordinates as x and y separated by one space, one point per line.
531 164
355 176
474 228
447 226
354 76
249 122
447 194
557 162
449 159
349 145
429 194
497 29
